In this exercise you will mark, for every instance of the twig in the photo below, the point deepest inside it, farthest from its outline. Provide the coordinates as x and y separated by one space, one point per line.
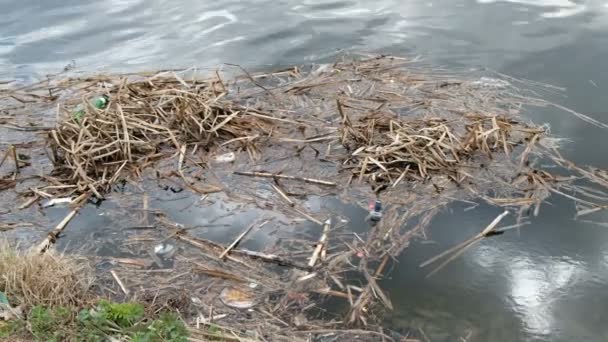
271 258
145 212
16 159
52 235
462 247
239 238
273 175
29 202
333 293
5 156
307 216
364 297
283 195
219 273
251 78
320 244
122 286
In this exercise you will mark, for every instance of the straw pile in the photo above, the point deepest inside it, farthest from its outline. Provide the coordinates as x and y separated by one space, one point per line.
387 150
143 116
30 278
422 138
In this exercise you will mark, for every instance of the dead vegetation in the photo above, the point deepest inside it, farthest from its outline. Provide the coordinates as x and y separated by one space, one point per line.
29 278
144 116
420 138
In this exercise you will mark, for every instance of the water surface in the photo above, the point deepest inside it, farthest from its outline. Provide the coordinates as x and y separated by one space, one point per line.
544 283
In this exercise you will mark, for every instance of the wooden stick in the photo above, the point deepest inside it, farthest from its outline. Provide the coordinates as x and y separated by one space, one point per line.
328 291
365 295
52 235
282 193
449 251
462 247
5 156
271 258
122 286
493 224
180 161
219 273
273 175
239 238
145 212
374 286
226 120
15 158
29 202
308 217
320 244
331 137
454 256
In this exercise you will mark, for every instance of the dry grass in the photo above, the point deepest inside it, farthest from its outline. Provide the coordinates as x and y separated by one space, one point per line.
388 150
145 114
48 279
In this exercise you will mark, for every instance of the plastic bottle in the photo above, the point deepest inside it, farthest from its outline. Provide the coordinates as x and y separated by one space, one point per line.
99 102
376 213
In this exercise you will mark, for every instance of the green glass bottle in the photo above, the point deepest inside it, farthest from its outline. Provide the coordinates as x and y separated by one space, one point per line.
99 102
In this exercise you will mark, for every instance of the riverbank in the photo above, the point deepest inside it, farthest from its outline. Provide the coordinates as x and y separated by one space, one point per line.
52 297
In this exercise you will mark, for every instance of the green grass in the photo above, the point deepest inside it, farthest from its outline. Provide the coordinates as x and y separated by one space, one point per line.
54 293
123 321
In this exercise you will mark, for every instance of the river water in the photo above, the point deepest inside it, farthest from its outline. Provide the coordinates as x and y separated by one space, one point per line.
546 282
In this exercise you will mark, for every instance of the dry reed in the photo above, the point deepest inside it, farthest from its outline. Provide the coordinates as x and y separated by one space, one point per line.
144 116
29 278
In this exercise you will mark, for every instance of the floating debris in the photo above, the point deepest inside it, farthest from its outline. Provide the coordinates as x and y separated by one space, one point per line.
225 158
98 102
490 82
55 201
375 213
165 250
237 298
382 126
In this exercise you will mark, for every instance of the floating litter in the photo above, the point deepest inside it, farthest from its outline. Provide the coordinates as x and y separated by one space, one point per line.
55 201
237 298
164 249
225 158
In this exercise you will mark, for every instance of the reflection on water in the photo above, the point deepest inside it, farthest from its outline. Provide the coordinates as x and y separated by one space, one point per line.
545 282
124 34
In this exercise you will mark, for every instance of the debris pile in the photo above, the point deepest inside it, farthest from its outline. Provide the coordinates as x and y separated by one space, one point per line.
143 117
411 138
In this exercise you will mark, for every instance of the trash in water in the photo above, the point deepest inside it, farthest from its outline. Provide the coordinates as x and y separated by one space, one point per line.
225 158
375 213
300 320
236 298
164 250
202 319
489 82
6 312
55 201
99 102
